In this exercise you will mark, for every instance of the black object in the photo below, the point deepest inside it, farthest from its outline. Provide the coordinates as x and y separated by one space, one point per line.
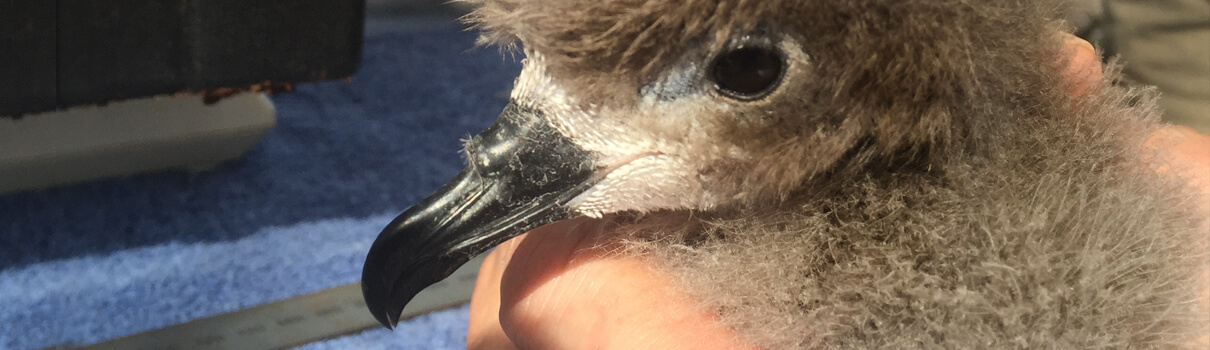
521 175
57 54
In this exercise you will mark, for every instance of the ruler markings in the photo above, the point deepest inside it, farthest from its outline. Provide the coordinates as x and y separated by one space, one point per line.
294 321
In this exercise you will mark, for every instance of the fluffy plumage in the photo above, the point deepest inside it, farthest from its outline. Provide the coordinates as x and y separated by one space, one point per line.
920 179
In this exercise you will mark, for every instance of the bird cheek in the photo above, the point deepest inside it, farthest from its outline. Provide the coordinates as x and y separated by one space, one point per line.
647 183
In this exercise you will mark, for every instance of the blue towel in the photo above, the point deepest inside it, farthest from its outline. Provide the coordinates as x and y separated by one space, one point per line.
96 261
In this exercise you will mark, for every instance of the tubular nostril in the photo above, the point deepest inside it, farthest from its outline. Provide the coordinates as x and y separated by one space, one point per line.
479 159
483 165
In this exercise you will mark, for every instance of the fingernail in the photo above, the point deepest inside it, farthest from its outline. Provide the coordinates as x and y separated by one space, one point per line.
1076 42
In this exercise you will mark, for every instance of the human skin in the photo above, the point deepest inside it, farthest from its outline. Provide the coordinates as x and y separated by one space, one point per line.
558 287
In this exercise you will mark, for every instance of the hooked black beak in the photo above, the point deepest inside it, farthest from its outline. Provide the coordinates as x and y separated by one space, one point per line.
521 175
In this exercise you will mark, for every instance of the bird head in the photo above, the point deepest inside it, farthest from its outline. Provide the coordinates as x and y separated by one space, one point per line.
696 105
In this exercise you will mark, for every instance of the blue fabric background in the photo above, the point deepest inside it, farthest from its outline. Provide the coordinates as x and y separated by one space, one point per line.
96 261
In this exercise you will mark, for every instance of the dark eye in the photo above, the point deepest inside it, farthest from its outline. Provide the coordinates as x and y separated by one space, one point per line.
748 72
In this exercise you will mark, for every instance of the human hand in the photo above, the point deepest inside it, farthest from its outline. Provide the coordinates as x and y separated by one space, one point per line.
1184 152
557 287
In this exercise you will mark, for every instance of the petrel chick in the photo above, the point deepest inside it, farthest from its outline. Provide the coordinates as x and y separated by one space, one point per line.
835 173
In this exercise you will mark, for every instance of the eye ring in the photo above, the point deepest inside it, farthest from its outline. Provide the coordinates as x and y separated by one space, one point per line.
748 72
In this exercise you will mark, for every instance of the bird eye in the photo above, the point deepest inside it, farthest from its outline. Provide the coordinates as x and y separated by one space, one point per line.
748 73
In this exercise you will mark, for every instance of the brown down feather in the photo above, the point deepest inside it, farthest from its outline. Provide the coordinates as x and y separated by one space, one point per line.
971 203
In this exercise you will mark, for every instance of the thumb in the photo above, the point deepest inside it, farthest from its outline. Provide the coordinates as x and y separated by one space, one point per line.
562 288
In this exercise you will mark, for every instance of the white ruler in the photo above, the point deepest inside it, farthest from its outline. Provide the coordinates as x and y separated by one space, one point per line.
295 321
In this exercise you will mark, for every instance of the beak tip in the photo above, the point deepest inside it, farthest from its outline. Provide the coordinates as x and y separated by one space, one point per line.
380 308
388 321
384 318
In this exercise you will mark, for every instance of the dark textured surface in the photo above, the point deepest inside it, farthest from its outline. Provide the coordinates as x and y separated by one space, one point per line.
100 260
123 49
27 50
61 54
